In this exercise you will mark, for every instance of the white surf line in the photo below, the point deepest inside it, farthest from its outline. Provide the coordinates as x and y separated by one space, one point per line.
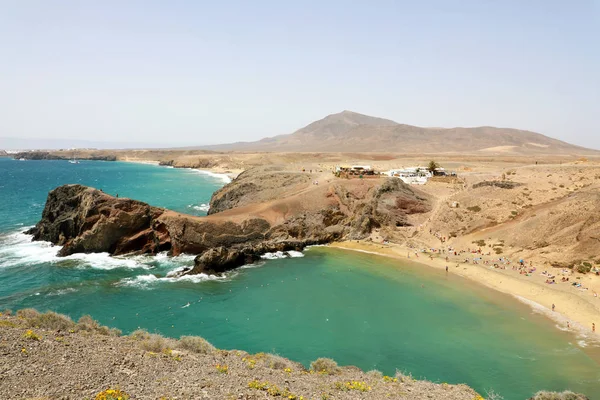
583 333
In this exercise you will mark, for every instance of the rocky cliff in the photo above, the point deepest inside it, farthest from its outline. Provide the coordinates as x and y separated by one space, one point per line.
256 214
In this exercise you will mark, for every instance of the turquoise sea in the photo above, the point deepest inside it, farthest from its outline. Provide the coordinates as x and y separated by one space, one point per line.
359 309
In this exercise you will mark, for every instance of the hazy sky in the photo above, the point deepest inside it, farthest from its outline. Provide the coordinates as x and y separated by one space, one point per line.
201 72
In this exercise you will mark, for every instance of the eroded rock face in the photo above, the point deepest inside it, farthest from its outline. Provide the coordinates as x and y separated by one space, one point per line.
86 220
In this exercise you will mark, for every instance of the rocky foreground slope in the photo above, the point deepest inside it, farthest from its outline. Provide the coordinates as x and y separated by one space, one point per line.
264 210
48 356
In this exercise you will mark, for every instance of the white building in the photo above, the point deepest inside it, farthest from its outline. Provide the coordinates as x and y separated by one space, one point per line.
411 175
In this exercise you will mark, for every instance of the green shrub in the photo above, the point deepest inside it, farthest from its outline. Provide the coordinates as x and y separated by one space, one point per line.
324 365
480 242
195 344
583 268
498 250
474 208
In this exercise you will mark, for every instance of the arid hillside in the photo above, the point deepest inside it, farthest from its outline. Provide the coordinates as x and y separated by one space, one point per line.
549 213
350 132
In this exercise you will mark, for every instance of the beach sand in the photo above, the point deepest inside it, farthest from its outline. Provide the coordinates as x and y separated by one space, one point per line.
579 308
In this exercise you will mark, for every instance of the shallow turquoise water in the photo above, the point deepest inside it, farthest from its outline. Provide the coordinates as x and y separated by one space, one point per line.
359 309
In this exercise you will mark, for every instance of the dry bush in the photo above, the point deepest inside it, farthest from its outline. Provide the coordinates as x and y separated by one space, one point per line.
375 374
157 343
404 377
140 334
195 344
49 320
27 313
275 361
568 395
87 324
324 365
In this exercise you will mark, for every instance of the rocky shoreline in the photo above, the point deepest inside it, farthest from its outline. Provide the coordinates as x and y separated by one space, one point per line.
46 155
248 217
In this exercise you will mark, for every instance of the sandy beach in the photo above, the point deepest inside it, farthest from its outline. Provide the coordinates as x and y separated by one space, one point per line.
216 171
578 308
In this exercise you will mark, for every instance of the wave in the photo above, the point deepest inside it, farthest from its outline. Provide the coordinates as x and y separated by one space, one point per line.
282 254
61 292
18 249
147 281
201 207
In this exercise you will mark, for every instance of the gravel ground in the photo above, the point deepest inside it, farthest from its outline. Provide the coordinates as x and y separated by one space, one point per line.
54 364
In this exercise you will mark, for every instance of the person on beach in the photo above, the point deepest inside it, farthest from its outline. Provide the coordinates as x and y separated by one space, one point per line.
593 327
446 268
553 306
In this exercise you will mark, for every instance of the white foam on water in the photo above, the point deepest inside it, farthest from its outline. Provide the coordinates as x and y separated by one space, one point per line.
273 256
222 177
282 254
253 265
582 333
316 245
150 280
61 292
17 249
201 207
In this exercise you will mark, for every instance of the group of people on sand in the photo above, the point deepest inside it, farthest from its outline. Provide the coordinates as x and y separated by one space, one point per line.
522 267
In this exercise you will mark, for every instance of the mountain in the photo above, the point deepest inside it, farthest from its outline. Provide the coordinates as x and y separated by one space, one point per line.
353 132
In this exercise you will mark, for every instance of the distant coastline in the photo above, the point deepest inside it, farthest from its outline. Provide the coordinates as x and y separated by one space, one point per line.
220 173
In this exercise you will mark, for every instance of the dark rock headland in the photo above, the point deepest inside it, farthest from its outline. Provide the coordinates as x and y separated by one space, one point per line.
249 217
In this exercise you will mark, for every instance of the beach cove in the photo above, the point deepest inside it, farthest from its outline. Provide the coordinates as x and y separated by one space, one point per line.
579 309
356 308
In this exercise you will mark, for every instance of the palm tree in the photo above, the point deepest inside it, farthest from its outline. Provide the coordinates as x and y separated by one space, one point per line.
432 166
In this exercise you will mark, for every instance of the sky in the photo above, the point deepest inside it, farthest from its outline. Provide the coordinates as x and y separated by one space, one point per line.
206 72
